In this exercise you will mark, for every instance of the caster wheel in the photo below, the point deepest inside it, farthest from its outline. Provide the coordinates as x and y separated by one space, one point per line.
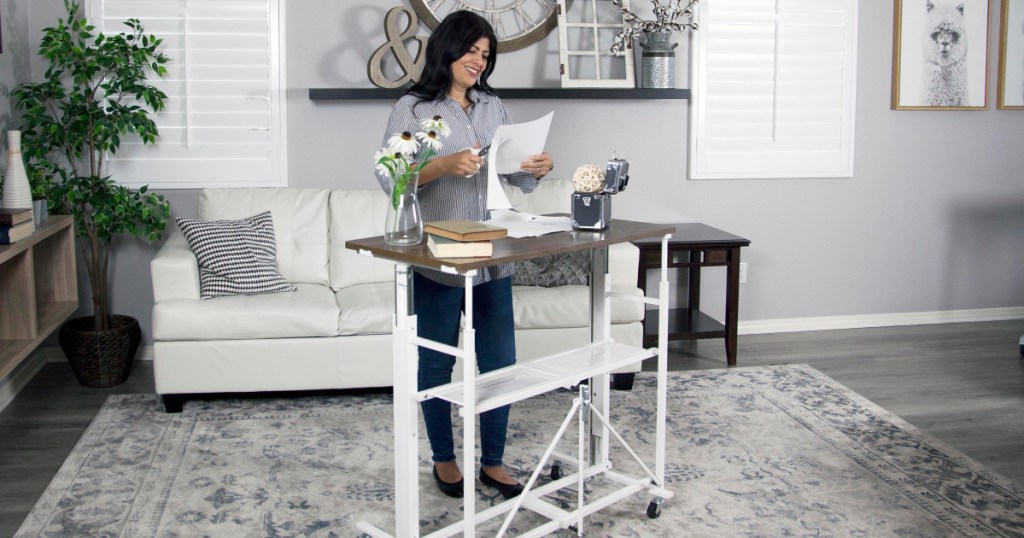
556 472
653 510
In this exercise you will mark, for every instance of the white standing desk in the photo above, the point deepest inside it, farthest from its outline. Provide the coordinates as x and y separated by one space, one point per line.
478 393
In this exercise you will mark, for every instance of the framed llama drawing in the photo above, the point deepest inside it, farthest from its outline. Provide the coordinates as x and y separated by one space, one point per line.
940 55
1011 56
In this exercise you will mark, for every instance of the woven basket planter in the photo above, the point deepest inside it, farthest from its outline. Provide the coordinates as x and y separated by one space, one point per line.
101 358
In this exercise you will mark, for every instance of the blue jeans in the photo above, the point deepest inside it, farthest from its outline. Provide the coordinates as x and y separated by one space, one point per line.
438 309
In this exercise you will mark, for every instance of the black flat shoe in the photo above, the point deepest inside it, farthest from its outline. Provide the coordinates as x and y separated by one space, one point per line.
449 489
508 491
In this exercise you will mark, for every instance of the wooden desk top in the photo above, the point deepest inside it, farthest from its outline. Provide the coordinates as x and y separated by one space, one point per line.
508 250
696 235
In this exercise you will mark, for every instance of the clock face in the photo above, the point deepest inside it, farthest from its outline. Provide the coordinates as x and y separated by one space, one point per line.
517 23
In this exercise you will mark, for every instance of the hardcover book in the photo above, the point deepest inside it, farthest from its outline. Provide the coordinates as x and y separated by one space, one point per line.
465 230
10 216
442 247
13 234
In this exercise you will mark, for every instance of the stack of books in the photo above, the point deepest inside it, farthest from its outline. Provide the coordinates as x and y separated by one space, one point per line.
462 238
15 224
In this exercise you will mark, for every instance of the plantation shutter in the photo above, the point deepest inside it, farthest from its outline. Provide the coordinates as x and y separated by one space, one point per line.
773 84
223 122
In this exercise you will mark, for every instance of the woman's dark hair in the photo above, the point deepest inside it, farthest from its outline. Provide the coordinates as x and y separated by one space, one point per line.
453 38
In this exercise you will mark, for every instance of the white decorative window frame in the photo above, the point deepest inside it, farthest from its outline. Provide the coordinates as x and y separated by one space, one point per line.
241 143
762 105
597 52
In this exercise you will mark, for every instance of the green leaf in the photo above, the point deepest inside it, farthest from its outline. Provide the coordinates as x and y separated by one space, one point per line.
94 95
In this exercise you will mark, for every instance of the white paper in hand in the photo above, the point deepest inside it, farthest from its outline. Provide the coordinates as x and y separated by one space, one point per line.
496 198
519 141
511 145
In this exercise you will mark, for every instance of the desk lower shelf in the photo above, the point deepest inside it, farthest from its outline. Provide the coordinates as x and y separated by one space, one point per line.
515 383
683 324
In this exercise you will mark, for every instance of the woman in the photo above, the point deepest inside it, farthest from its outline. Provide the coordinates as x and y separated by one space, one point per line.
460 57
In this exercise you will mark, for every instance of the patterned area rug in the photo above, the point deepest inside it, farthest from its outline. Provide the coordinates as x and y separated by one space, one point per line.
768 451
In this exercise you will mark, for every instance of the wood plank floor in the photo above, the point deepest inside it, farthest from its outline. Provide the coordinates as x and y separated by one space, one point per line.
962 383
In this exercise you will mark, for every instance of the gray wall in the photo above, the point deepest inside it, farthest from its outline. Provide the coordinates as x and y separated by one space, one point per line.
933 219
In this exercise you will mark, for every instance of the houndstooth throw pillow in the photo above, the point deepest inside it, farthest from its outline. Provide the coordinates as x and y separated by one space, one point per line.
236 257
571 268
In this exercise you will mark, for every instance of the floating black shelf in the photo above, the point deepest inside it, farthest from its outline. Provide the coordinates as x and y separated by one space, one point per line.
327 94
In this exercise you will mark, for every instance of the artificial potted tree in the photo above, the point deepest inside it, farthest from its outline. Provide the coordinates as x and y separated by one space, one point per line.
94 94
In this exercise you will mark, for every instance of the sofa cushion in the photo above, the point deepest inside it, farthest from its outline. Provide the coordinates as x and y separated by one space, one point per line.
357 215
236 257
567 306
550 196
366 308
300 224
309 311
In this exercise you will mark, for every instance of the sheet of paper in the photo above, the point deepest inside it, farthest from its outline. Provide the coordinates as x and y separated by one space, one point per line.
511 145
527 224
496 197
519 141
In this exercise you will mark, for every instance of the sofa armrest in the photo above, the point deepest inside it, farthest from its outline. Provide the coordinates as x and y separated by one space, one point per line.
623 261
175 271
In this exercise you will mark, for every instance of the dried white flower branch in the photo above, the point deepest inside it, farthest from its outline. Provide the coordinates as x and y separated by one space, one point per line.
666 19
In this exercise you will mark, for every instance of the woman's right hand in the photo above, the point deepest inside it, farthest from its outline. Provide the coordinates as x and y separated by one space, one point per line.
465 162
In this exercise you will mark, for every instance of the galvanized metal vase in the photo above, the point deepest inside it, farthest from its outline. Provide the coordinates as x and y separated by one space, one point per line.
657 60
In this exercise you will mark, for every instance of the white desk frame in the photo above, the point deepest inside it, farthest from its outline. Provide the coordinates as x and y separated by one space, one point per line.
479 393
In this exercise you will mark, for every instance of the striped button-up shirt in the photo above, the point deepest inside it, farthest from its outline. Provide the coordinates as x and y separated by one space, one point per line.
453 196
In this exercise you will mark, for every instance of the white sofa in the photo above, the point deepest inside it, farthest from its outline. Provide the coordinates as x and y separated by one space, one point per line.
333 332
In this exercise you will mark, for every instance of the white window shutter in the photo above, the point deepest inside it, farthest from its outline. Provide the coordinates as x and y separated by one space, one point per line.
773 89
223 124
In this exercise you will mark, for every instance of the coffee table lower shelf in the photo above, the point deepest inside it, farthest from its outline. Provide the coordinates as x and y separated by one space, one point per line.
683 324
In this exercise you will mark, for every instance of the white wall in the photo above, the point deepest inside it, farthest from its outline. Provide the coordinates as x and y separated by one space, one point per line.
933 219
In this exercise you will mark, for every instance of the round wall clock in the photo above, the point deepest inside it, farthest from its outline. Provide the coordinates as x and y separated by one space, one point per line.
517 23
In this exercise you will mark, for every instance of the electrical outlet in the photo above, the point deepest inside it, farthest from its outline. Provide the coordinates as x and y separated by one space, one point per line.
743 272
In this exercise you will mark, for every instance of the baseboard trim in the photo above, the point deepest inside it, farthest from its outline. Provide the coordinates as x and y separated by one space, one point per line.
15 381
11 385
829 323
54 354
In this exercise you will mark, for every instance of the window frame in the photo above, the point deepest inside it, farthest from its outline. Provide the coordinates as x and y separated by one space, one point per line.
216 172
768 164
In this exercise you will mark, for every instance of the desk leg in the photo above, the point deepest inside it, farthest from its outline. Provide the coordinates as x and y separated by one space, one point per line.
469 373
732 303
600 330
405 357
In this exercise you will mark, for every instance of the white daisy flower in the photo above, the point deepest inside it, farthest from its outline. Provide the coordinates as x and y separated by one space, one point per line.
430 139
383 158
404 143
436 124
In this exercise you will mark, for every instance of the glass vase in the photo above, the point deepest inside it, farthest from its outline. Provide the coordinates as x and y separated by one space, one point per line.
404 223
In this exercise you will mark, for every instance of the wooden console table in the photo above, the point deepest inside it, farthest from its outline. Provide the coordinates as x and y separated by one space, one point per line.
693 246
38 289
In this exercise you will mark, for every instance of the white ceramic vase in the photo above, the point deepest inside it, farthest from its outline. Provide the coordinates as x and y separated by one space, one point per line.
17 192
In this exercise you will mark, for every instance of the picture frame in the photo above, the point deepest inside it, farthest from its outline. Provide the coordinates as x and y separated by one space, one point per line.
940 55
1010 95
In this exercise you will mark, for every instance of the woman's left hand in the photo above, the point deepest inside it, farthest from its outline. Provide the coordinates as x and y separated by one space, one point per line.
539 165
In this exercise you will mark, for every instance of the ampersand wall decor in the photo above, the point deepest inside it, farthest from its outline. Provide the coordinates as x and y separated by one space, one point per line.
396 45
